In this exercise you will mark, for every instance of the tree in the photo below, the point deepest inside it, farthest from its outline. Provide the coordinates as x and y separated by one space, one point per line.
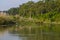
13 11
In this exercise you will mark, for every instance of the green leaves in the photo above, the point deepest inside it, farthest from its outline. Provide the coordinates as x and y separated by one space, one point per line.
40 10
13 11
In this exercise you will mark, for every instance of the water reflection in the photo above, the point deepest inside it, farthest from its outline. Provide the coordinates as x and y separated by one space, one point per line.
41 32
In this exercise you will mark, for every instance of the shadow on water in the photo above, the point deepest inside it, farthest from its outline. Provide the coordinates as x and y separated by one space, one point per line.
41 32
32 32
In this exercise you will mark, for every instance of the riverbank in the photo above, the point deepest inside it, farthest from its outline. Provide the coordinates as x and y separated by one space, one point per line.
12 20
38 21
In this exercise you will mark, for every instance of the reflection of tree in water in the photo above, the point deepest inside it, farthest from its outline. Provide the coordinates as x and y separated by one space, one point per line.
32 35
48 33
27 34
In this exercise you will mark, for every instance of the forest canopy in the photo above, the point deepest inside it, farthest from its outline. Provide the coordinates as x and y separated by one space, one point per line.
43 10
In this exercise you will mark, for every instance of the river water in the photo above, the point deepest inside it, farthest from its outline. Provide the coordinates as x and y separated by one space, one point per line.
47 32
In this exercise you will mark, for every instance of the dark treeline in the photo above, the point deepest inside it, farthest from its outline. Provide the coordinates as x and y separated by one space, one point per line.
46 10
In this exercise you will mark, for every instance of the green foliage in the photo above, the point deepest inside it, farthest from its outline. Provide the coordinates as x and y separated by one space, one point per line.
13 11
48 10
7 20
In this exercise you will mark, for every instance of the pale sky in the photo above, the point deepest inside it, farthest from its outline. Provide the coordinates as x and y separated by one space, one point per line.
7 4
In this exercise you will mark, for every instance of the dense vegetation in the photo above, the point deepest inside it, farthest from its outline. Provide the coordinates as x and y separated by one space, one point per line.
45 11
7 20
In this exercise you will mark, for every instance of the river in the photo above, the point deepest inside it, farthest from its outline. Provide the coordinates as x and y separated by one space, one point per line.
49 32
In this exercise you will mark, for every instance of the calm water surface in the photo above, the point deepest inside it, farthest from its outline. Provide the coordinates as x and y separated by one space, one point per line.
42 32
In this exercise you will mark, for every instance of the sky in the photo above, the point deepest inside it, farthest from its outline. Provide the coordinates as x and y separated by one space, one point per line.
7 4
